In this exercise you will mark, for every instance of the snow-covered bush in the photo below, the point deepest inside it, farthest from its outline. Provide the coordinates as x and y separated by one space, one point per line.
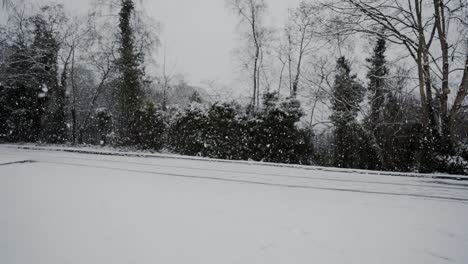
273 134
185 134
151 127
224 131
99 129
452 164
103 123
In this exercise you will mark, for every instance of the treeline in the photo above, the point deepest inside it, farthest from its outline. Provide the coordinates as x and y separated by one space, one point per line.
84 81
42 103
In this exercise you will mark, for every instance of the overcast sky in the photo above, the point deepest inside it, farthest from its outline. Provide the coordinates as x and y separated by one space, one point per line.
199 35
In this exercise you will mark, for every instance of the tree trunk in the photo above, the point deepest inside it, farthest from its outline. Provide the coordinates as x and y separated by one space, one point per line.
298 69
73 92
446 139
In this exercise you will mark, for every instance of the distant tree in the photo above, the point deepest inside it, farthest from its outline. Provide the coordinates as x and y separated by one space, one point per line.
195 97
7 4
300 40
347 94
165 82
251 14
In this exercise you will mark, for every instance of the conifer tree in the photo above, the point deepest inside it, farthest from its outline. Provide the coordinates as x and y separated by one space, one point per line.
45 50
34 101
24 108
378 95
377 72
347 95
130 90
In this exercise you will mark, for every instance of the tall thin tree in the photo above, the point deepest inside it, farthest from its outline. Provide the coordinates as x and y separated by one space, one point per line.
131 74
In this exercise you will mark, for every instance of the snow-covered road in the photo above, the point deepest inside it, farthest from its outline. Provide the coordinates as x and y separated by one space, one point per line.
64 207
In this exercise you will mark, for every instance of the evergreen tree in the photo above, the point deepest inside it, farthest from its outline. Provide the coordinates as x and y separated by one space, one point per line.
24 106
347 95
373 133
392 135
273 135
45 48
376 74
131 74
4 113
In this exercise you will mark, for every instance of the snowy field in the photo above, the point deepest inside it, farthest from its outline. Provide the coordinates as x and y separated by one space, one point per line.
60 207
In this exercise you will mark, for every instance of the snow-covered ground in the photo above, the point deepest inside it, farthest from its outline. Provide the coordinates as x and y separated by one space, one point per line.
66 207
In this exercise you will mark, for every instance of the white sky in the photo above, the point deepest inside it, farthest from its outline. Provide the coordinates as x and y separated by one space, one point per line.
199 35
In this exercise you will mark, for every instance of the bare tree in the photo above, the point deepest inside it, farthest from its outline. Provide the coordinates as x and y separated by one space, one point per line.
283 63
250 13
7 4
432 33
300 33
165 81
98 63
77 40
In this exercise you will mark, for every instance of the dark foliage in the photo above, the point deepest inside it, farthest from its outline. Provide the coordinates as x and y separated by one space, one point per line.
347 95
273 135
33 107
225 132
99 130
186 132
151 127
45 48
103 121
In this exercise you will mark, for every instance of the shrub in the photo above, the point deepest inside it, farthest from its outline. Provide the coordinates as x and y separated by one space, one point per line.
273 134
223 133
151 127
185 134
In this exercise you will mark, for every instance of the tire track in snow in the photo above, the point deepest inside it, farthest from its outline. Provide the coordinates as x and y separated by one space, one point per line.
312 178
17 162
464 200
251 163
